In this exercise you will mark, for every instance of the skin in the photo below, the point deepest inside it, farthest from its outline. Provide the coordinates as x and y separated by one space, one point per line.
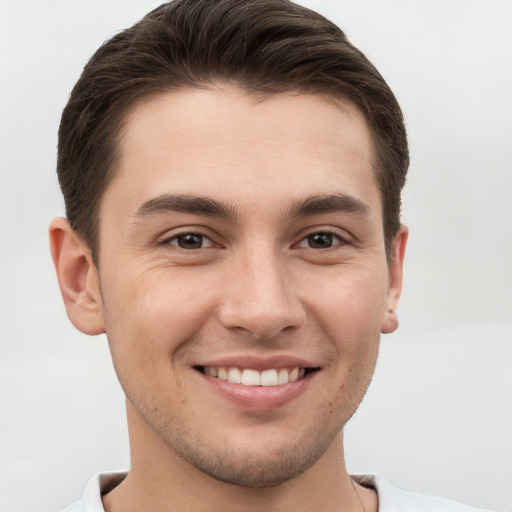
255 284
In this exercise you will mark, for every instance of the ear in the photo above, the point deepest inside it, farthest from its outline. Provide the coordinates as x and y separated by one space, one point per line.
396 265
78 278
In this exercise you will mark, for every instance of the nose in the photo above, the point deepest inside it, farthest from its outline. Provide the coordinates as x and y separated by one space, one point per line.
260 296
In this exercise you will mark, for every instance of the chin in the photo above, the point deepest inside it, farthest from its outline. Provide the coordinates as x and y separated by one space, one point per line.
256 466
250 471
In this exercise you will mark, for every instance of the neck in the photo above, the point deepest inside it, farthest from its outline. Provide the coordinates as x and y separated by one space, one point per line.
161 480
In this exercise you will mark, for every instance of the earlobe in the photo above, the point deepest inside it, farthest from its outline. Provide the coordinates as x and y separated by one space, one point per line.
396 265
78 278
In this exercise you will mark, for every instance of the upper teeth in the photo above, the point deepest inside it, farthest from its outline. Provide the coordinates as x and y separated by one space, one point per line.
248 377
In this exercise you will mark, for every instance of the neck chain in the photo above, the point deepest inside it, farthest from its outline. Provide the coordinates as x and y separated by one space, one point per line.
357 494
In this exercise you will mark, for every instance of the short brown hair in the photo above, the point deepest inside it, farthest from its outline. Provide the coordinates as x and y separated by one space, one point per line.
262 46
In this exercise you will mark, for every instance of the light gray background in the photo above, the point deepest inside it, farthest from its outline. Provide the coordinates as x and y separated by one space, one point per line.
438 416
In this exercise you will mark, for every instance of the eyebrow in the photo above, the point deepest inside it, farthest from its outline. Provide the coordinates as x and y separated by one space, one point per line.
183 203
311 205
318 204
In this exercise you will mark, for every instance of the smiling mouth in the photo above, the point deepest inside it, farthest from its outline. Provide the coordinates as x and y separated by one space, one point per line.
250 377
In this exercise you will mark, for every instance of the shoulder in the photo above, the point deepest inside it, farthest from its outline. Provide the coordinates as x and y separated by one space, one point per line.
91 498
392 499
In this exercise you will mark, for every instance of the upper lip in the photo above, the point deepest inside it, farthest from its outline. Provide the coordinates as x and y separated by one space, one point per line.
259 363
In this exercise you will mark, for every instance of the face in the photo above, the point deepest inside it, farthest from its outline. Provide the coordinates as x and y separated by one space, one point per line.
244 282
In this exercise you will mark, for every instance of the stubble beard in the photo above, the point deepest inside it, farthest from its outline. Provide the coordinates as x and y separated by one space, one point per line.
254 466
242 465
243 468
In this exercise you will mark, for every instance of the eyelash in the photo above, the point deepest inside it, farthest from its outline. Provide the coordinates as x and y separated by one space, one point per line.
174 240
340 239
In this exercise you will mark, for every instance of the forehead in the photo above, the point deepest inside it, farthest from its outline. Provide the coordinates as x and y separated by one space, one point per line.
223 143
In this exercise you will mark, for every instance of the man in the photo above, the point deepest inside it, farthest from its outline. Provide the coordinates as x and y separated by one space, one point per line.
232 175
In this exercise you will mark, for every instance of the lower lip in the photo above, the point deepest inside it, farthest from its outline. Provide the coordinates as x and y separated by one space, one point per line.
260 398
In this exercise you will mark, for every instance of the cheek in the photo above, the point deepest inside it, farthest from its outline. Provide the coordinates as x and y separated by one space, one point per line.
153 315
352 306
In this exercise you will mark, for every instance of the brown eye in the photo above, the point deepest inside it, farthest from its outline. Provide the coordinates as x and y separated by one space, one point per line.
320 240
191 241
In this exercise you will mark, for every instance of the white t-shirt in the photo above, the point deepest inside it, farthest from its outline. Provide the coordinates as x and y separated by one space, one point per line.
391 499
